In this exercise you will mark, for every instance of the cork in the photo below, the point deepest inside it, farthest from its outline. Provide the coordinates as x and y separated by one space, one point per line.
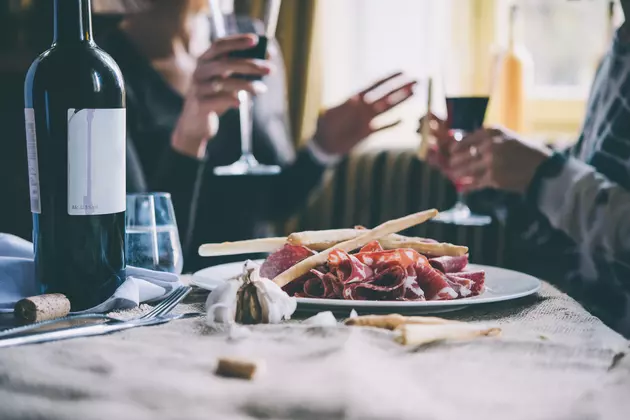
42 307
236 368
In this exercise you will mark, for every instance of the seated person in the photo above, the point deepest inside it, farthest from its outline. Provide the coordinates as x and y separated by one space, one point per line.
571 209
182 122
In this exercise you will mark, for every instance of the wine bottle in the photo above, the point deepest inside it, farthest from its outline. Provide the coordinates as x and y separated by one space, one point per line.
75 123
512 83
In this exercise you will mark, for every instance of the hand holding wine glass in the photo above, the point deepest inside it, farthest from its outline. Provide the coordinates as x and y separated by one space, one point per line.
214 91
502 160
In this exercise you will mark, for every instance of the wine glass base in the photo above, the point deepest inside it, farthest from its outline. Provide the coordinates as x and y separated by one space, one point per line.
461 215
246 167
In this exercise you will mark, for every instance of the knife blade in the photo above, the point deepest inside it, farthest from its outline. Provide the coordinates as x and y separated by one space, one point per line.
90 330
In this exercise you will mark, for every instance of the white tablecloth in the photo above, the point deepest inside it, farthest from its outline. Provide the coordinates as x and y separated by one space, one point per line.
554 361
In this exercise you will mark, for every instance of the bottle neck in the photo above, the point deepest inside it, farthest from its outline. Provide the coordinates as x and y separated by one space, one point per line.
512 28
73 21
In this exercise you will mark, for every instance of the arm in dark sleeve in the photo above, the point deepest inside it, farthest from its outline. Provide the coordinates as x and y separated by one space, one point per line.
295 184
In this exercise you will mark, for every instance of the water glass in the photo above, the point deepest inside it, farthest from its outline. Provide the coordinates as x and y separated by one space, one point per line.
151 233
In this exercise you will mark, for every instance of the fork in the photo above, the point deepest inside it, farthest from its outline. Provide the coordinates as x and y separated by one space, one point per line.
163 308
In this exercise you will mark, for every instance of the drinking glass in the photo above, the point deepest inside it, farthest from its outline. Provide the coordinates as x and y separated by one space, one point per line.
223 25
151 233
467 87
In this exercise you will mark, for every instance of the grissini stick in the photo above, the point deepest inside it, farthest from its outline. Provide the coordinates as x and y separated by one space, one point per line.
393 321
242 247
389 227
418 334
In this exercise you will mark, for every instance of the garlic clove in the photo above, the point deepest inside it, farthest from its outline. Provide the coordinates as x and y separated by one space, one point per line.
221 303
275 303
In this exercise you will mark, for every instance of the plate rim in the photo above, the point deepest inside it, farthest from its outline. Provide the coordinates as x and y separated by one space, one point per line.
475 300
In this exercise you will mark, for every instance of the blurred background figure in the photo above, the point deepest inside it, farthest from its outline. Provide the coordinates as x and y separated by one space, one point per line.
182 122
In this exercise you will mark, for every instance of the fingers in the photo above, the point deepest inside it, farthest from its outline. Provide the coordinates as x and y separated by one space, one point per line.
379 83
463 157
474 139
387 126
220 102
228 44
229 66
393 98
220 86
473 168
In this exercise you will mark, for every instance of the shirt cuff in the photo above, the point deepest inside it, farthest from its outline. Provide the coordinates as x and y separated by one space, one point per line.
555 192
322 157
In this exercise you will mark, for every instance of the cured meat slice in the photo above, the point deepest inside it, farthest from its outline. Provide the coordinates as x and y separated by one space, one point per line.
413 291
463 287
478 279
402 256
283 259
434 283
347 268
387 285
373 246
447 264
321 285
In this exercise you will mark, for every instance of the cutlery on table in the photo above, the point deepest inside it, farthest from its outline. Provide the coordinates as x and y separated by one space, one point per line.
163 308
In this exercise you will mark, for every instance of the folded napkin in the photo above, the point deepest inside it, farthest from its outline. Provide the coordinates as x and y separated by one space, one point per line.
17 280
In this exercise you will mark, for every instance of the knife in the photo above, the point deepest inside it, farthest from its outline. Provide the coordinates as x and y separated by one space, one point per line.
90 330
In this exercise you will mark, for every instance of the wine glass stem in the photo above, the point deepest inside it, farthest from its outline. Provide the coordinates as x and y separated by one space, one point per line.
461 199
245 111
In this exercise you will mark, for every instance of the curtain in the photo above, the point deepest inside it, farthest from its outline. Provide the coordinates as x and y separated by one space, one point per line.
299 40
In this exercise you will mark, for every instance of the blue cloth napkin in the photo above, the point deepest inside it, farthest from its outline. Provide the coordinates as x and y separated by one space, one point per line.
17 280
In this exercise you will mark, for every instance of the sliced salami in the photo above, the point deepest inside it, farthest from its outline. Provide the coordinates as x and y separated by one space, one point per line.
449 264
347 268
283 259
434 283
478 279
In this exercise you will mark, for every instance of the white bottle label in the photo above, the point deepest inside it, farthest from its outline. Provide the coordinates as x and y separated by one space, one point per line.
33 164
96 161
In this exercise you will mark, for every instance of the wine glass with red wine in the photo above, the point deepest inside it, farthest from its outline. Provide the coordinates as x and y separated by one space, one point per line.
467 96
223 25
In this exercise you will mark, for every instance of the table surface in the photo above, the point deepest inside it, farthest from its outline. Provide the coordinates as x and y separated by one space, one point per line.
553 361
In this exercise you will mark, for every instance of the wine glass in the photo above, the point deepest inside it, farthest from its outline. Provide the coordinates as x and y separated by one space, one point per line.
151 233
467 88
223 25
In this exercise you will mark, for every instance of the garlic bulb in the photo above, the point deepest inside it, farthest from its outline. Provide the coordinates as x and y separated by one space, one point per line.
249 299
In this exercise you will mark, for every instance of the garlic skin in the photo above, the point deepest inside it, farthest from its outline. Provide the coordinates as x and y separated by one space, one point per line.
249 299
276 304
221 303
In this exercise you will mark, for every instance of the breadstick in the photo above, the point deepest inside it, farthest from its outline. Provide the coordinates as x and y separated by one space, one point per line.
393 321
429 248
236 368
426 126
415 335
391 226
319 240
42 307
242 247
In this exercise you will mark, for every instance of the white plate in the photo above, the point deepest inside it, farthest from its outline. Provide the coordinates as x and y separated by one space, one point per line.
501 285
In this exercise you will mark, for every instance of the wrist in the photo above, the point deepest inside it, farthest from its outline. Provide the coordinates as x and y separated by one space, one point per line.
187 146
550 167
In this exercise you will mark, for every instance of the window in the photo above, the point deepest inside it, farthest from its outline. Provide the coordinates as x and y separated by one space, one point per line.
365 40
566 40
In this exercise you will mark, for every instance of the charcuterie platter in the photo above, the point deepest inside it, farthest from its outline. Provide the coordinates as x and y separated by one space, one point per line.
370 271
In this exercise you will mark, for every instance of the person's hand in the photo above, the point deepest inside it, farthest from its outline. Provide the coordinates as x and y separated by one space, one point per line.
438 151
495 158
213 91
340 128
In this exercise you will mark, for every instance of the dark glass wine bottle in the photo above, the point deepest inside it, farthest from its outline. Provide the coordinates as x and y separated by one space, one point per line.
75 131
